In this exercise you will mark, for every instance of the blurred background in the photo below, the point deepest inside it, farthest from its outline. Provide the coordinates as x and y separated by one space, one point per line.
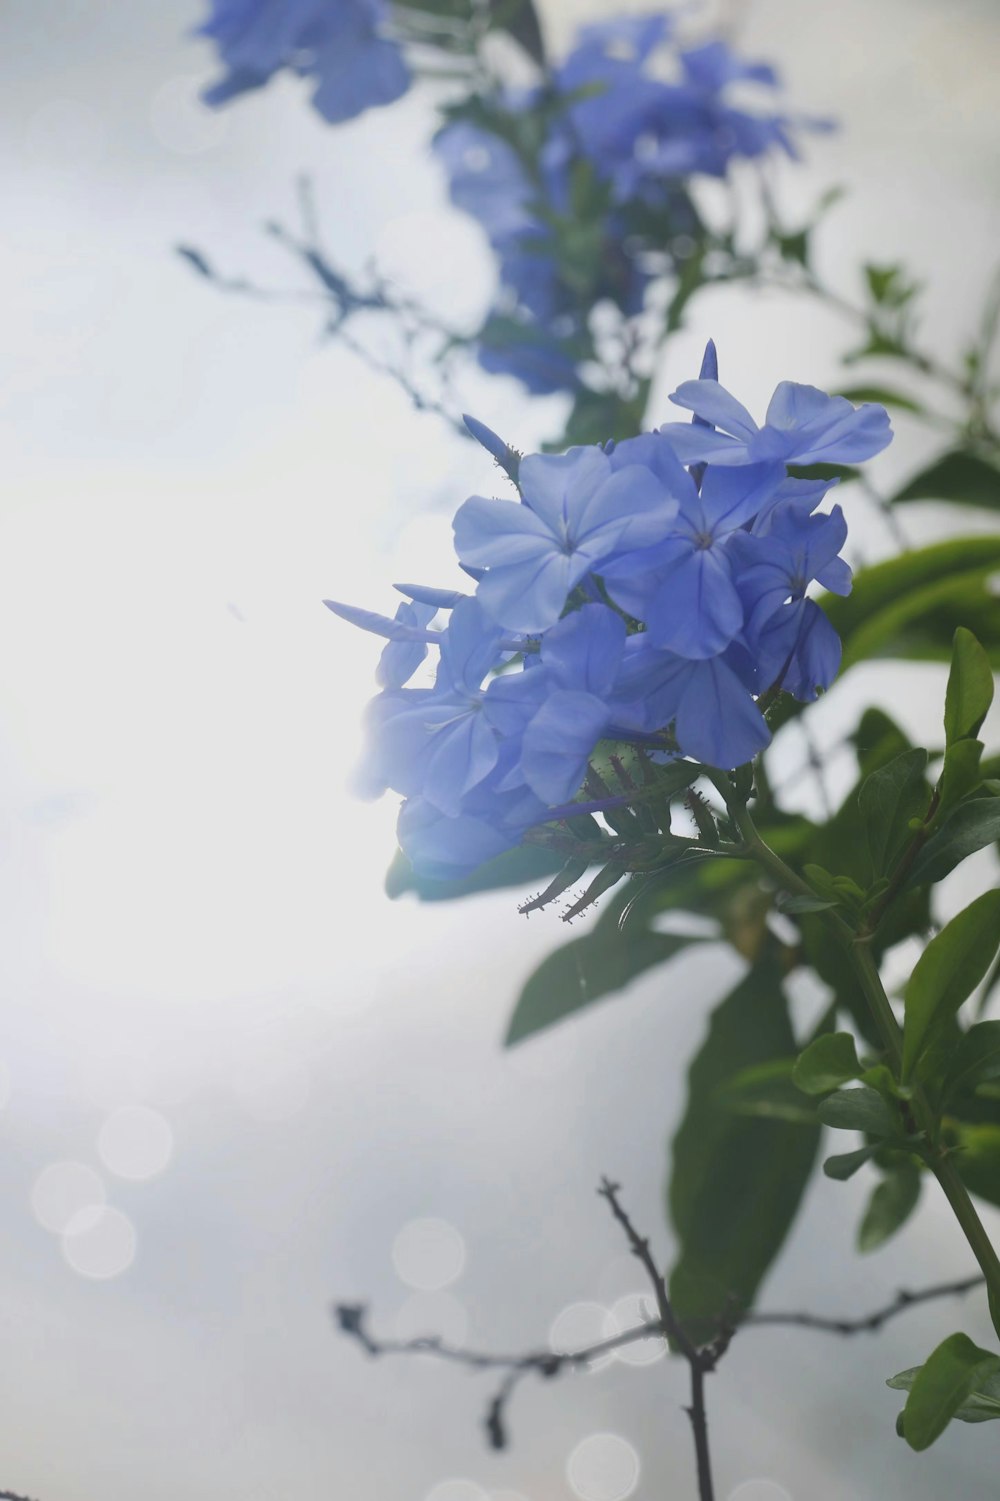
236 1082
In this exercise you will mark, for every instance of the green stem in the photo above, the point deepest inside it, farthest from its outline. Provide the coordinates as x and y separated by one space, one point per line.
874 991
941 1165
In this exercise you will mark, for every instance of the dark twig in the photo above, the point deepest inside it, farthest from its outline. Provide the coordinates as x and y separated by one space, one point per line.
351 1319
868 1323
13 1496
700 1362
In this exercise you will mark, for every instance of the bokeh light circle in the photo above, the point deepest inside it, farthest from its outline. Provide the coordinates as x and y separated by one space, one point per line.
625 1313
62 1191
760 1490
457 1490
578 1326
428 1254
603 1467
99 1242
135 1142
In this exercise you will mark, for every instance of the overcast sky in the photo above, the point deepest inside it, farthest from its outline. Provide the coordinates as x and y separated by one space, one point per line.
281 1088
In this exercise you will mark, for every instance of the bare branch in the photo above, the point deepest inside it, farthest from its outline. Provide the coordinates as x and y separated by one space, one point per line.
351 1319
700 1362
640 1249
868 1323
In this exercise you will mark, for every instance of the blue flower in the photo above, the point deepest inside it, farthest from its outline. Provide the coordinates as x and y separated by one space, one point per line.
577 512
791 639
713 714
401 658
487 179
439 741
802 426
683 588
487 822
581 659
526 349
623 601
645 133
338 43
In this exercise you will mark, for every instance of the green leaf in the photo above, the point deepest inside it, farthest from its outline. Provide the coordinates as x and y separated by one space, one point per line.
978 1161
960 774
971 827
911 605
859 1109
947 972
974 1061
970 686
958 476
981 1406
766 1090
841 846
881 1078
887 285
846 1164
883 395
586 970
730 1171
955 1370
524 866
890 1206
826 1064
842 472
888 799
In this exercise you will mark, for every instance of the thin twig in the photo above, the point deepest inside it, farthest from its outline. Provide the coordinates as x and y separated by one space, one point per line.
700 1362
351 1319
868 1323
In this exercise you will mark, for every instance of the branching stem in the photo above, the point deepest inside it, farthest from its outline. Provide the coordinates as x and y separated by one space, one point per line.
870 981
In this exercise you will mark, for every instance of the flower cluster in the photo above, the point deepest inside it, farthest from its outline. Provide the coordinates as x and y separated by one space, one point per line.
579 183
339 43
621 598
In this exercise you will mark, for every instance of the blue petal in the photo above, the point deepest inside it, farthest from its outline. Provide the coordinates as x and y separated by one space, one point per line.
443 848
556 487
717 720
696 610
489 533
439 599
707 399
700 445
531 596
585 649
632 509
558 743
731 497
462 755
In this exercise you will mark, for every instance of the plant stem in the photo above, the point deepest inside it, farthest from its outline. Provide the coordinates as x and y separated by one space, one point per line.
941 1165
870 980
699 1426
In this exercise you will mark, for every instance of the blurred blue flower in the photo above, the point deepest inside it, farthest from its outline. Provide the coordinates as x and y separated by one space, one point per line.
587 204
338 43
